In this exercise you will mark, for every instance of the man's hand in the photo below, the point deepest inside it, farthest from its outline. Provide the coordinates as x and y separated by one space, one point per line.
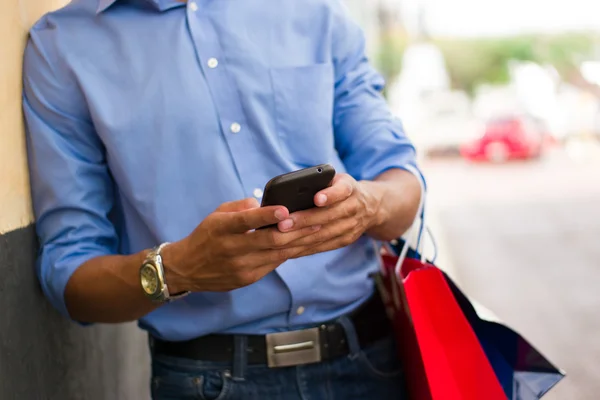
226 252
345 211
383 209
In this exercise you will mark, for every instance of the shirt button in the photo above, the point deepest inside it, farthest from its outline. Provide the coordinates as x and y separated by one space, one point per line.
213 63
258 193
235 127
193 6
300 310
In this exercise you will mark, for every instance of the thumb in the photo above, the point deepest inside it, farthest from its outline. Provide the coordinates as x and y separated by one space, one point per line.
239 205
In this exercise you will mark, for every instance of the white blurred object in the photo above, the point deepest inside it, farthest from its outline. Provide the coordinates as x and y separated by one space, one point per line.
423 72
493 101
448 123
509 17
579 109
424 69
536 87
533 90
591 71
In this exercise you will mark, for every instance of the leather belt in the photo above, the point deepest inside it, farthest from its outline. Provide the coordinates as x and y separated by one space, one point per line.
323 342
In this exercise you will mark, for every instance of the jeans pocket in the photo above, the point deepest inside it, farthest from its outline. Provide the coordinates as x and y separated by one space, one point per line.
381 360
175 386
215 385
175 378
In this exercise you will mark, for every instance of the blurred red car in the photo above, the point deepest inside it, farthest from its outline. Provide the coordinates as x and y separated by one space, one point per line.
504 139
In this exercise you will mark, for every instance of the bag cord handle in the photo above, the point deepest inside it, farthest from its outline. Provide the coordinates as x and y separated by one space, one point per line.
414 235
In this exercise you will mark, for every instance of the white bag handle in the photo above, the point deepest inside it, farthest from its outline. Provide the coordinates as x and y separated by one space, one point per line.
414 235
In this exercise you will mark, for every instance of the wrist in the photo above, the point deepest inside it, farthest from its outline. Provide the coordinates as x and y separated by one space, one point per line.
401 194
174 258
374 194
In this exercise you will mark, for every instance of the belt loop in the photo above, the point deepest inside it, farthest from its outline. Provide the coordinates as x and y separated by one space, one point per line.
351 335
240 357
151 344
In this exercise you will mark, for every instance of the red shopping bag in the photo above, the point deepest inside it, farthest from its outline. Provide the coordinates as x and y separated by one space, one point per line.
443 358
450 352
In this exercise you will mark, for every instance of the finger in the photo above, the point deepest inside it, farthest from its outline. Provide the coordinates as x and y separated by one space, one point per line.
340 189
279 256
252 263
252 275
244 221
319 216
272 238
274 259
333 244
254 266
326 233
264 270
239 205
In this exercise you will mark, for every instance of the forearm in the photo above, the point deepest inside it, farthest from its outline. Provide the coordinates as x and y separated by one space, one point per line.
107 289
397 194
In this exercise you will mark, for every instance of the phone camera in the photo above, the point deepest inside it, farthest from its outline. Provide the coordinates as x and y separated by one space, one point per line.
319 170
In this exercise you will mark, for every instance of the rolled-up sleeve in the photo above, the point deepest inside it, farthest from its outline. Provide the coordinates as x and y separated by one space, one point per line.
71 187
368 138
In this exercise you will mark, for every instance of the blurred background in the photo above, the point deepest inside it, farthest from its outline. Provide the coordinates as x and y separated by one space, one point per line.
502 100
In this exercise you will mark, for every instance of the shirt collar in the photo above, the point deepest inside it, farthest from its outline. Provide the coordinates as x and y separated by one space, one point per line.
103 5
160 5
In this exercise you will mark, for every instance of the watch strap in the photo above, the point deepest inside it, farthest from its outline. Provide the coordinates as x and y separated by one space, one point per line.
155 254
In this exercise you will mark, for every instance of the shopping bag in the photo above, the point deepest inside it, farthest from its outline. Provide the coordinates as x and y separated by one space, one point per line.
450 362
449 350
525 374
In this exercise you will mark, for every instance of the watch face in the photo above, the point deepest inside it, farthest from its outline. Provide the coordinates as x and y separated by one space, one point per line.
149 278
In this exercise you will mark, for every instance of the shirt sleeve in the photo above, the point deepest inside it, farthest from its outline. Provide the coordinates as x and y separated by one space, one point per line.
368 138
72 190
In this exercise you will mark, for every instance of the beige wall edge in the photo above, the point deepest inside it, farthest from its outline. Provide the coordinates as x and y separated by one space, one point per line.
15 20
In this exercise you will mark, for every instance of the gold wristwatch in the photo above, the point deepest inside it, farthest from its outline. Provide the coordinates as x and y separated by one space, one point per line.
152 277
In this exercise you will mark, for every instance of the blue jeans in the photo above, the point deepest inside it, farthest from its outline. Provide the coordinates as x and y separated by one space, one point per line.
373 373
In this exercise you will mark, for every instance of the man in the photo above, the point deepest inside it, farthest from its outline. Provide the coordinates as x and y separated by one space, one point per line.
157 121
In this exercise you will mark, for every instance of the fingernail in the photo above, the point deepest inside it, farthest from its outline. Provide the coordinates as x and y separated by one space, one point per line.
287 224
321 199
280 214
316 227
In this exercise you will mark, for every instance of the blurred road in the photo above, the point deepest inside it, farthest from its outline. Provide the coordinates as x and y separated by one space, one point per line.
524 240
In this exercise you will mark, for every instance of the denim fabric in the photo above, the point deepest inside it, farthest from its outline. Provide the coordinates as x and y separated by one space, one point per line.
372 373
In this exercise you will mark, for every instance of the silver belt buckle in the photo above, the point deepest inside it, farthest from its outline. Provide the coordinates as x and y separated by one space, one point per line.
286 349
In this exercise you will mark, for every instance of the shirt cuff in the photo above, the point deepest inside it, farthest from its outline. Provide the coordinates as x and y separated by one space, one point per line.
56 265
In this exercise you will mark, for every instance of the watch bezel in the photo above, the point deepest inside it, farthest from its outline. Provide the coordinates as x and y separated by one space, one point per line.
148 265
155 261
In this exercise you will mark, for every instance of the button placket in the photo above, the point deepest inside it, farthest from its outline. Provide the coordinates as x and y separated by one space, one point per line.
223 91
232 118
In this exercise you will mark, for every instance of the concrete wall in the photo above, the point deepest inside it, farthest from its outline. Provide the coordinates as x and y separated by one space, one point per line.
43 356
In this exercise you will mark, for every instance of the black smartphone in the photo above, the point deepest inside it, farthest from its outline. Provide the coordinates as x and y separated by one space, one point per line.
296 190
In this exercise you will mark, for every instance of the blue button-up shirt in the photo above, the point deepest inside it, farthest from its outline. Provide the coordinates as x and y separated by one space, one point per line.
143 116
